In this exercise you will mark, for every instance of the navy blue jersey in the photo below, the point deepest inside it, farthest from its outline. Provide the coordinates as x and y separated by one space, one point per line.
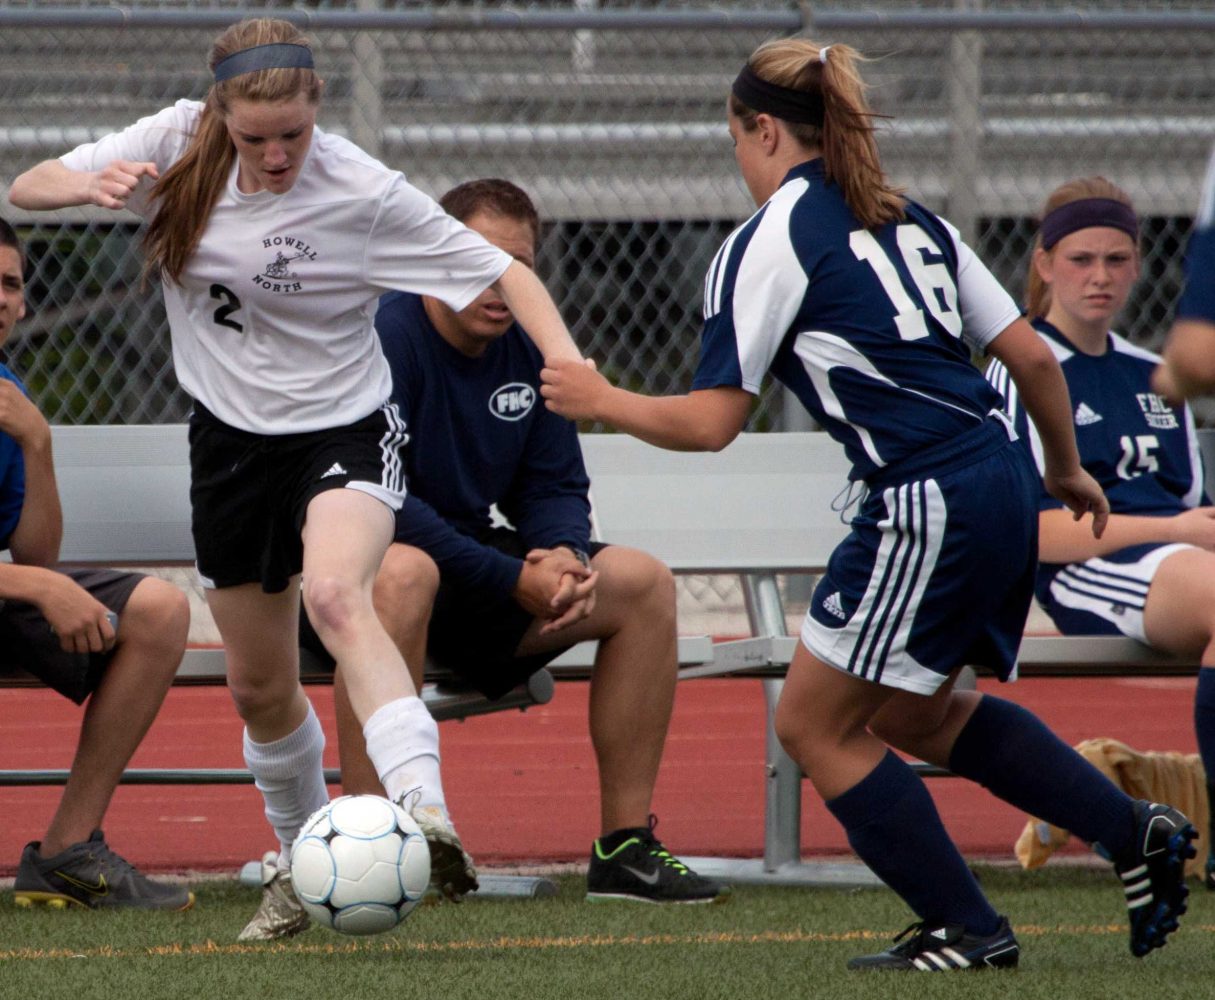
1140 448
12 476
871 329
479 436
1198 300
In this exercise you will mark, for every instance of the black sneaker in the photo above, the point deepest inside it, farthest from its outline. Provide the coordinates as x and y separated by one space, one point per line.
1153 874
89 874
641 869
945 948
1208 876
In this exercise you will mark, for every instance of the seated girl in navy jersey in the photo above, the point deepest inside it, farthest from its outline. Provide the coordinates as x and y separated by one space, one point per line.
867 306
1151 575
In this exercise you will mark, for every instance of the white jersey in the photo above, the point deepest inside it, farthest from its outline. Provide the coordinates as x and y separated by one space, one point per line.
272 321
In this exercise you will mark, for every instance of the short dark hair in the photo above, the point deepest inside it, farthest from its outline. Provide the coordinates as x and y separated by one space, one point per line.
9 238
491 194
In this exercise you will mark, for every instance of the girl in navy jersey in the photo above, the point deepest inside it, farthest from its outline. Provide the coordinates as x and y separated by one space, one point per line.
1151 575
867 306
274 241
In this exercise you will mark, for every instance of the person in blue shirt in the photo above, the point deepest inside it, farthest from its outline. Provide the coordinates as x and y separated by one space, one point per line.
1189 354
495 603
867 307
1151 575
110 639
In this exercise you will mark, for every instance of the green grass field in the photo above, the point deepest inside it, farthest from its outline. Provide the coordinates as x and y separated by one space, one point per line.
764 942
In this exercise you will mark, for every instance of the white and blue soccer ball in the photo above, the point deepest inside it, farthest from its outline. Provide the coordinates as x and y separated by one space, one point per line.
360 865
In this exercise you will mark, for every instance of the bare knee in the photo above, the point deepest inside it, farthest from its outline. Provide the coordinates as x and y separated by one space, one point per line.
405 586
155 624
262 696
642 589
333 603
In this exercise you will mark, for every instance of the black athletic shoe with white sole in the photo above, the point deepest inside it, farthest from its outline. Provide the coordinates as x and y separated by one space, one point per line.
945 948
1153 874
642 870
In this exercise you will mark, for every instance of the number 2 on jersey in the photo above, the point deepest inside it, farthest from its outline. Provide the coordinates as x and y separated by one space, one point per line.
230 305
932 280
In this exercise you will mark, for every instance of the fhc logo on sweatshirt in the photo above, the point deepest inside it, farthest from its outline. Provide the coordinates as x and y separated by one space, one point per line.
279 275
513 401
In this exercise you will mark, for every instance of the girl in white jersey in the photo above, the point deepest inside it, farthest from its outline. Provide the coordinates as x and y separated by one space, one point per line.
867 305
274 241
1151 575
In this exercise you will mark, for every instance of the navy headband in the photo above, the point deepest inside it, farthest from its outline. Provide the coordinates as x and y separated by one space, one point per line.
277 55
1086 213
790 105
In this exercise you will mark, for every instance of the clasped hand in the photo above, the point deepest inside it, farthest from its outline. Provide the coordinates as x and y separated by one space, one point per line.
555 587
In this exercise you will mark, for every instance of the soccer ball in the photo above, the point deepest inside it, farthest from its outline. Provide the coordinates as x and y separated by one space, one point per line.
360 865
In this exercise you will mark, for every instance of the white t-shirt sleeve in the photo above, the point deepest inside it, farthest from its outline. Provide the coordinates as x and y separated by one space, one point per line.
414 246
160 138
987 309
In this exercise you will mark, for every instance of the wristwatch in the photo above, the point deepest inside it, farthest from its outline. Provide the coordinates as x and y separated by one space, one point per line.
580 555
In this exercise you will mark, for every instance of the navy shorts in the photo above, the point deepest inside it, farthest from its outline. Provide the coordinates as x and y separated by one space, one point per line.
249 493
471 635
28 643
1104 595
938 570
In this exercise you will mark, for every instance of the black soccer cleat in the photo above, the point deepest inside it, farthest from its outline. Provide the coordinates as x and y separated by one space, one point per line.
945 948
1153 874
642 870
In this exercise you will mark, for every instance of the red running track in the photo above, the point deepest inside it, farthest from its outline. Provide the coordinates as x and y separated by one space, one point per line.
522 786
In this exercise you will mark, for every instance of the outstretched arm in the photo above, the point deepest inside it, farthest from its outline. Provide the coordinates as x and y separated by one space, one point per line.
536 312
52 185
703 420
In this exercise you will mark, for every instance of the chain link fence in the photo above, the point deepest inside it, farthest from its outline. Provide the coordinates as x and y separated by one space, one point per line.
611 114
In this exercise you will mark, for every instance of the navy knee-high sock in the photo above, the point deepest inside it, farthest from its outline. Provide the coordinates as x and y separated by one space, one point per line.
1010 752
1204 728
893 825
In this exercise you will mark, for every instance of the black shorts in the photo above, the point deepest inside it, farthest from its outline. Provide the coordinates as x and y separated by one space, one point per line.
27 642
472 636
249 493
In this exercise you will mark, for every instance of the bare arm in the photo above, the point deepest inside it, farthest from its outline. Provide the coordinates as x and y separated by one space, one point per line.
1043 392
536 312
1062 540
703 420
52 185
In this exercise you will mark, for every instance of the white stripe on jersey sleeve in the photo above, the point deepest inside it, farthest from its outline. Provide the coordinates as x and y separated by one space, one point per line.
1206 203
768 288
998 376
715 276
987 309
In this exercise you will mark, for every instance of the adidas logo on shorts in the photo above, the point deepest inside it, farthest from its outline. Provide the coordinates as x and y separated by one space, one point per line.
1085 415
833 607
335 470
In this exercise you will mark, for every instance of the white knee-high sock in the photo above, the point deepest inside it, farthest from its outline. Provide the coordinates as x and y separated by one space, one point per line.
289 774
403 744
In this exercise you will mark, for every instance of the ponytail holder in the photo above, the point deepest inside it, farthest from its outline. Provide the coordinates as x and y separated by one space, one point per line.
822 54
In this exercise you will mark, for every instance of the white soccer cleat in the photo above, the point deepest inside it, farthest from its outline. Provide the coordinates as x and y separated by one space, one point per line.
280 914
452 871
